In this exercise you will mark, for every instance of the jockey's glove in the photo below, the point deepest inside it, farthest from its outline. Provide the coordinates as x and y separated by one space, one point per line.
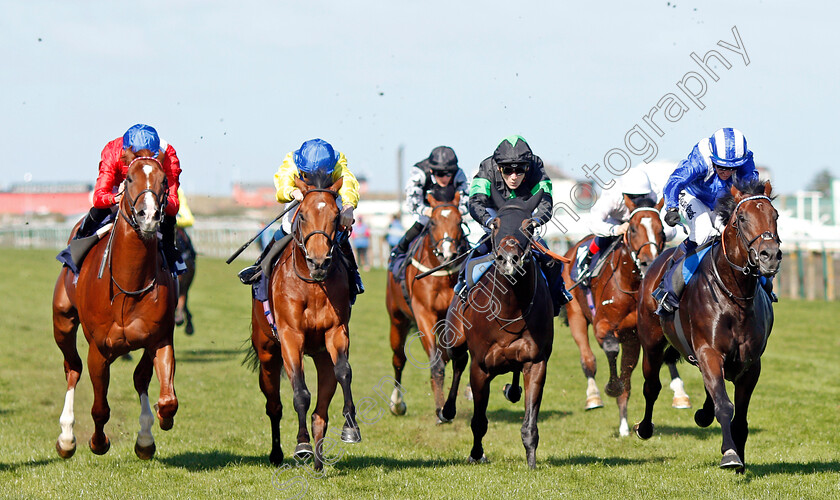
672 216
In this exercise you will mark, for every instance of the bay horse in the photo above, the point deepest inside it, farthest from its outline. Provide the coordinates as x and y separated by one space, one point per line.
309 308
612 312
429 297
183 316
506 324
131 306
724 319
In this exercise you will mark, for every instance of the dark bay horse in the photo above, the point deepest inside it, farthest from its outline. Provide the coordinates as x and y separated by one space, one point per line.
429 296
614 295
310 307
724 318
131 306
506 323
183 316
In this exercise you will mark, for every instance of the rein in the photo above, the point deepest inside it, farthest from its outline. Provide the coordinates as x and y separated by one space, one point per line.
634 254
301 242
446 268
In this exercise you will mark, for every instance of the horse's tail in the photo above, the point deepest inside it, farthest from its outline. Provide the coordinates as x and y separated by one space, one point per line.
250 361
563 316
671 355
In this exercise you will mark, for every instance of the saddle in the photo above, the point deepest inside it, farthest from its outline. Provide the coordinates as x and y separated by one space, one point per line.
597 263
685 267
259 288
73 256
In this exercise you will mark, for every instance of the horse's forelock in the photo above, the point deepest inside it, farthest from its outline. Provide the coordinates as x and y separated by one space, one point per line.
726 204
319 179
443 193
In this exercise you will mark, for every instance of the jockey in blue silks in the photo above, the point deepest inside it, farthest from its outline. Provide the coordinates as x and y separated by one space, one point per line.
692 192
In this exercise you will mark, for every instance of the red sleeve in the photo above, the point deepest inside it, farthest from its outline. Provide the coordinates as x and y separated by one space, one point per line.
172 166
110 174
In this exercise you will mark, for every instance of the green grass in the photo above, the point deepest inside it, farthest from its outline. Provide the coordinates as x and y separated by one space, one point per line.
220 442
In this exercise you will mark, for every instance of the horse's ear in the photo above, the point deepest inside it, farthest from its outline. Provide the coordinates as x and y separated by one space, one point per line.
629 203
304 187
431 199
161 156
128 156
767 189
337 185
660 204
457 199
734 191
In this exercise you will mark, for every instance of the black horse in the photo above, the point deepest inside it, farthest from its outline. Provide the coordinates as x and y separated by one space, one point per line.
724 318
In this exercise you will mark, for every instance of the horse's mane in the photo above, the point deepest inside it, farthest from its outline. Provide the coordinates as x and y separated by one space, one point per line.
645 203
726 204
443 193
319 179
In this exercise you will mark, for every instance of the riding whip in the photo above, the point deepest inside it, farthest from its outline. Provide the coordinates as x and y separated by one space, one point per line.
289 206
450 261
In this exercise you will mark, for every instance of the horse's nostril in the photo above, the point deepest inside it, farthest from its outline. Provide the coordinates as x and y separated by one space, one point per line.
779 255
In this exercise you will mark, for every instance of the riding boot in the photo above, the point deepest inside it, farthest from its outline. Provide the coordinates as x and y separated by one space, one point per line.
252 274
356 286
669 291
461 286
767 284
91 222
553 271
402 246
170 251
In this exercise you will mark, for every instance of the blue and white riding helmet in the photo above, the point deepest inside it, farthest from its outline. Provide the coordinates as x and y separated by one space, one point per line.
316 155
142 136
729 148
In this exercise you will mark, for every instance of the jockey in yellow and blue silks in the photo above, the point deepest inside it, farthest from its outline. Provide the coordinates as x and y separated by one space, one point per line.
692 192
315 155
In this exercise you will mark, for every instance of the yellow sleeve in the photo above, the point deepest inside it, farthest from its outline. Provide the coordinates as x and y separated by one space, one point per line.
184 217
284 179
350 187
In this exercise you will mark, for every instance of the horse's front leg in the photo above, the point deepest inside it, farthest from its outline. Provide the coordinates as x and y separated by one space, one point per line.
100 373
338 347
534 379
167 404
293 363
480 384
651 364
437 365
629 359
271 364
579 328
744 387
327 384
144 446
459 356
65 326
710 363
681 400
606 336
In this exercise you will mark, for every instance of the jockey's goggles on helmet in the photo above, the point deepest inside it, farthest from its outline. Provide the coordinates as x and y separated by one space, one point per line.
728 169
442 173
514 168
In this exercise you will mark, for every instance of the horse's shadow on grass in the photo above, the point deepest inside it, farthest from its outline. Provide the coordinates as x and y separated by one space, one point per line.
697 432
206 355
211 460
14 467
760 470
516 414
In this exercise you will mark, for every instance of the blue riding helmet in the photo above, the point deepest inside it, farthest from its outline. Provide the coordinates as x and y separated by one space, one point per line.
729 148
315 155
141 137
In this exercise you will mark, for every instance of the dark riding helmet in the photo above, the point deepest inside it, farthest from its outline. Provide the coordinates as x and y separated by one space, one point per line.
442 159
513 150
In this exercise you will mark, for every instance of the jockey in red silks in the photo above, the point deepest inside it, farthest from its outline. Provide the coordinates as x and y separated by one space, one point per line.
112 171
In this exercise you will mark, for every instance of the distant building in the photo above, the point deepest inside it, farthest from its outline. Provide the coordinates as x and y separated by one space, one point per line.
46 198
255 194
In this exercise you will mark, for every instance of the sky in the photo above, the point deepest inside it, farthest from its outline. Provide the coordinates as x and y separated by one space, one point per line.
234 86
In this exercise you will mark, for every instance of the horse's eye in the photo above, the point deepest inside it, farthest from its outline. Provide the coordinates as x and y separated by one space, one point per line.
632 230
741 218
129 179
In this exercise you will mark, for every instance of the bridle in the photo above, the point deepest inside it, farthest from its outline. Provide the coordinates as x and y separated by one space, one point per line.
160 197
437 243
634 254
302 240
752 266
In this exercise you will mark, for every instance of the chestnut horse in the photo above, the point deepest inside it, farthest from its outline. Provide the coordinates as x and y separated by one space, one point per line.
724 318
309 302
183 316
429 296
506 323
614 294
125 300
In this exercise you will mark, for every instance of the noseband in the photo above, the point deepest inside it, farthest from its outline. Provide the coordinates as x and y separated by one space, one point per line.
301 241
436 243
752 267
634 254
160 198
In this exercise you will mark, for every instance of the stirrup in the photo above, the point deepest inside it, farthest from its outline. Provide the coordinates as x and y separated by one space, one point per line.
250 275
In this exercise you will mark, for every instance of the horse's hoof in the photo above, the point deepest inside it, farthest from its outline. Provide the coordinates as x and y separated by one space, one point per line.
398 409
302 451
512 392
614 389
441 419
593 402
482 460
731 460
65 454
468 394
643 433
681 403
703 418
189 330
351 434
276 457
144 452
165 423
179 318
100 451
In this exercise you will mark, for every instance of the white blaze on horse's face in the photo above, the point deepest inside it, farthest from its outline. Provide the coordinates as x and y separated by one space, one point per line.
448 250
647 223
147 208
